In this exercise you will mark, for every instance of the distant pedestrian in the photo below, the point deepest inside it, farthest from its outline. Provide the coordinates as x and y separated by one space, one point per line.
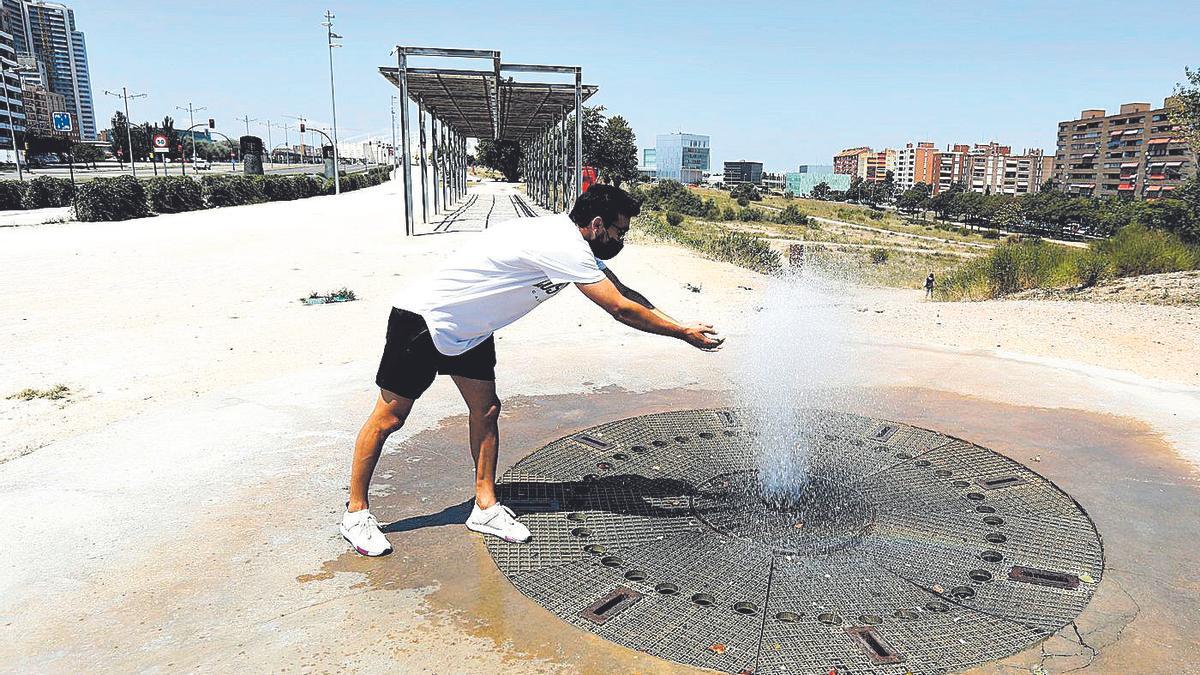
929 285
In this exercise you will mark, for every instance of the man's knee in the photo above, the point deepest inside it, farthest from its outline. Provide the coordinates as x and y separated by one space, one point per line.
489 413
386 419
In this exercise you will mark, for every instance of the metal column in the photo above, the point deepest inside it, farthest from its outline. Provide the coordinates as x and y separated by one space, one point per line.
433 128
402 77
424 177
578 131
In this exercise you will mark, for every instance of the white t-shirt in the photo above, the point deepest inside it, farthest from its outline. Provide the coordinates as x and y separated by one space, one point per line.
499 277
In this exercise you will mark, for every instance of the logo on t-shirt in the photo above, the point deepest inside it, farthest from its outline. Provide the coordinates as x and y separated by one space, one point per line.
545 289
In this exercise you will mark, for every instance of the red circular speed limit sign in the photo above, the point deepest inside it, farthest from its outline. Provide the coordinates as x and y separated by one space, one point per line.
160 141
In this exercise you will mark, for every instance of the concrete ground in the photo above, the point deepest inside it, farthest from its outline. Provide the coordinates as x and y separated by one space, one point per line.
178 511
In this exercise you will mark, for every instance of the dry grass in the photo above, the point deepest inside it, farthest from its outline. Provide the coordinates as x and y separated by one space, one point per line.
55 393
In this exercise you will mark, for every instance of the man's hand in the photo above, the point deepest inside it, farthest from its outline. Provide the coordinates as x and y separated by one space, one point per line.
697 335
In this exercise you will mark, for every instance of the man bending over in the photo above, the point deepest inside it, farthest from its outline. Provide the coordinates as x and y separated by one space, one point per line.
444 326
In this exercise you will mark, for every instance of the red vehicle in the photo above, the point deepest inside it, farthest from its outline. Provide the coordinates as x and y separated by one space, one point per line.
589 177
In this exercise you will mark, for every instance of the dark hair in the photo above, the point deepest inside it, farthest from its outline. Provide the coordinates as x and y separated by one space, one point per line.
605 201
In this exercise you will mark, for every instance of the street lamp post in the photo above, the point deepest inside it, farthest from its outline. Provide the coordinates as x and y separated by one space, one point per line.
192 123
128 129
268 124
330 35
394 163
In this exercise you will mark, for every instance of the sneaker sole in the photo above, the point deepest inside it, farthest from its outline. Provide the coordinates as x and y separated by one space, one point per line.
363 552
498 535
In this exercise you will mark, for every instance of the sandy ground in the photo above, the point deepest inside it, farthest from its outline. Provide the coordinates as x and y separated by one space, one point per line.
177 510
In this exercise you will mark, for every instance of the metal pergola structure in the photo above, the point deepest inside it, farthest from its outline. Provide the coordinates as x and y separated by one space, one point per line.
487 104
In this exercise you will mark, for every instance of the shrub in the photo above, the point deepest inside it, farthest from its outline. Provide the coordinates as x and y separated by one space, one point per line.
670 195
790 215
674 219
750 215
745 250
174 194
46 191
105 199
875 215
282 188
991 234
729 213
879 255
743 201
1135 249
12 195
1091 268
232 190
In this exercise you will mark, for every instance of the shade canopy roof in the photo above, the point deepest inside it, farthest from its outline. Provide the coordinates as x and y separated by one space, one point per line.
472 105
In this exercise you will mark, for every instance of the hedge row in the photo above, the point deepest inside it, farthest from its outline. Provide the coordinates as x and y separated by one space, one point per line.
40 193
125 197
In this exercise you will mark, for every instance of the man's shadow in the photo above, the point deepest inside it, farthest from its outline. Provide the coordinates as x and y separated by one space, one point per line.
627 494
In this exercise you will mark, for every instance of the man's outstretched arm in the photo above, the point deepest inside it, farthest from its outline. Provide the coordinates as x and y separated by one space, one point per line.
634 295
636 315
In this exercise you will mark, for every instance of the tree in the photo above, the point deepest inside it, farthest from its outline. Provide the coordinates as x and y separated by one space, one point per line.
618 156
1186 108
944 204
87 153
746 190
168 130
118 136
671 195
914 198
503 156
821 191
44 145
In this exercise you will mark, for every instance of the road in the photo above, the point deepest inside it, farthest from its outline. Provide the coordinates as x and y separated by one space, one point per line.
145 170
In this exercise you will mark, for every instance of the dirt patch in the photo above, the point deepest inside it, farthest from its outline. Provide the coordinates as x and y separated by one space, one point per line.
1175 288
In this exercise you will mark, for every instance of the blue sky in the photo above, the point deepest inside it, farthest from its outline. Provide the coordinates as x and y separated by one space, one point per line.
785 84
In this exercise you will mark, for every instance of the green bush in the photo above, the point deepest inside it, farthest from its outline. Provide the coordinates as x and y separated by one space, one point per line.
674 219
879 255
729 213
743 202
750 215
107 199
1091 268
991 234
174 194
232 190
671 195
12 195
46 191
282 188
1136 249
746 250
791 215
875 215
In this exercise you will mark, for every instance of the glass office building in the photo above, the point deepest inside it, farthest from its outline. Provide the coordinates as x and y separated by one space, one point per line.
681 157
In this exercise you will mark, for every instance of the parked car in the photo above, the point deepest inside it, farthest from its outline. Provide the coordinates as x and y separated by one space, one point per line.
201 165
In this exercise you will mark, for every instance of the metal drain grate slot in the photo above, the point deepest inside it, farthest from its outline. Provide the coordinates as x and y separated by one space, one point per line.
532 504
1000 482
1032 575
612 604
884 432
592 441
878 650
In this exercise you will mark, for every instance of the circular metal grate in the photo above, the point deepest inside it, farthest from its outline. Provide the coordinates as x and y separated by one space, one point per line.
908 550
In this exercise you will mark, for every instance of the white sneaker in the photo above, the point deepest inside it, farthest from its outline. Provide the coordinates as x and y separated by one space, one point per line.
362 531
498 520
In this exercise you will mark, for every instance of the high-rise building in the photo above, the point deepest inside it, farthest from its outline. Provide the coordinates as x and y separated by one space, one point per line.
916 163
40 103
743 171
12 108
46 32
681 157
815 168
1137 152
801 183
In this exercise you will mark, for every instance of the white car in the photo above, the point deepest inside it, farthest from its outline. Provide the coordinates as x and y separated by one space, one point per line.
201 165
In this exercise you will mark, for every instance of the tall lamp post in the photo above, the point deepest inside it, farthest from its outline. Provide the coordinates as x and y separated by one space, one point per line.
395 163
300 120
128 128
192 123
330 36
268 124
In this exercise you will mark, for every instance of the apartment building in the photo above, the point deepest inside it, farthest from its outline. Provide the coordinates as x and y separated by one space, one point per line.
12 106
852 162
40 104
916 163
53 53
1136 153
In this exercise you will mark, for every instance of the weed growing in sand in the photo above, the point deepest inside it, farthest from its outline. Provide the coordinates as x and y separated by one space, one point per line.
55 393
342 294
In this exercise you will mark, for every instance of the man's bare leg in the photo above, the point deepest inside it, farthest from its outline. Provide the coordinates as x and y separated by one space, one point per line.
484 408
389 414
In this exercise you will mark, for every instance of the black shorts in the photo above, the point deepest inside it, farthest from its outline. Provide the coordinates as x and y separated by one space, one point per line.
410 361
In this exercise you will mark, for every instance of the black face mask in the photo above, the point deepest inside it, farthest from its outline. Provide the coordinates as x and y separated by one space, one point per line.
607 249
